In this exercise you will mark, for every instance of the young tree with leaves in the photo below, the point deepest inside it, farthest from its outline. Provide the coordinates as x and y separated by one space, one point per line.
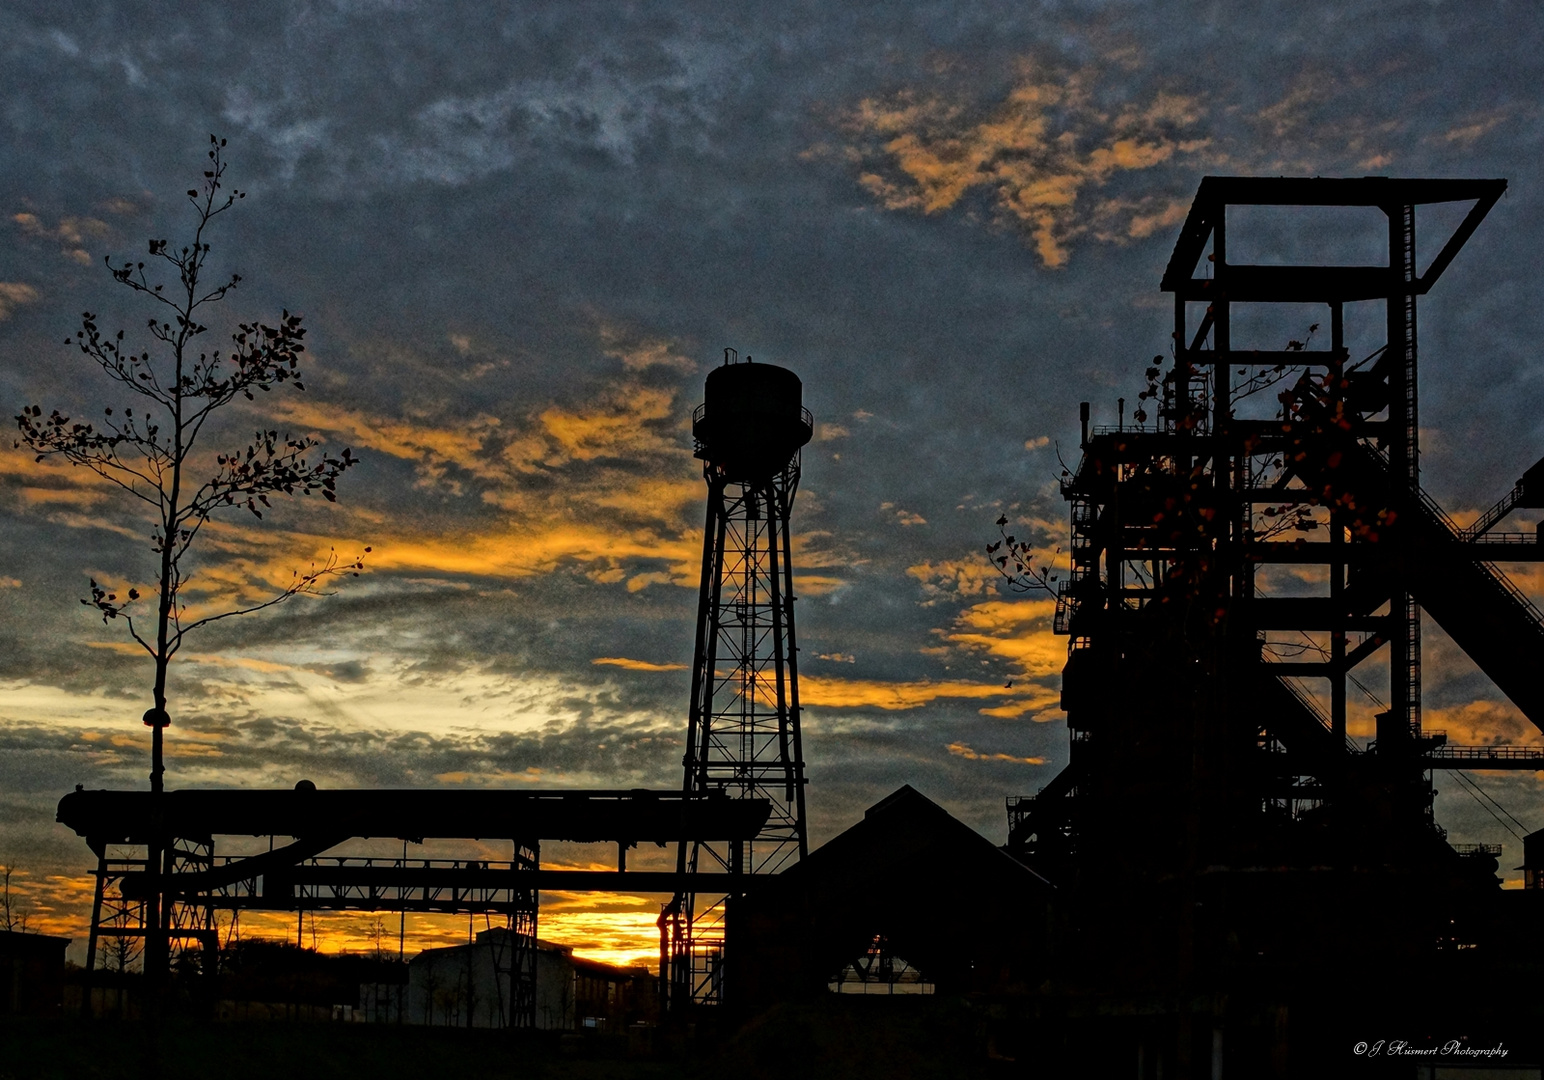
157 450
154 451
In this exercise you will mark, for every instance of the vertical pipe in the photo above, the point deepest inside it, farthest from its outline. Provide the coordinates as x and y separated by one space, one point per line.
1404 452
712 529
1222 328
777 529
1338 673
96 922
794 711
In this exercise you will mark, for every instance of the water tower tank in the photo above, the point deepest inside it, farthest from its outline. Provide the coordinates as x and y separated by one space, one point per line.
753 420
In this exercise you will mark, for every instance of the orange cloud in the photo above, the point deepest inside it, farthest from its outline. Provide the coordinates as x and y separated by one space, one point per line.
1481 723
814 584
636 665
1474 127
1036 153
434 448
617 429
530 775
1015 630
1308 130
836 693
961 750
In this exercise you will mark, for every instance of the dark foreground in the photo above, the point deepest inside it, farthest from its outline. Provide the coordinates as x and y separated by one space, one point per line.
922 1039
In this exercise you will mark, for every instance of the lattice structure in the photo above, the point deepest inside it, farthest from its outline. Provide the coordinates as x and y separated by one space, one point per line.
743 727
117 917
1239 832
298 875
1248 554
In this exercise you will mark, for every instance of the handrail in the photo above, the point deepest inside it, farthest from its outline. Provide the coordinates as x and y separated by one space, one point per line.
1455 534
1492 516
806 417
1487 753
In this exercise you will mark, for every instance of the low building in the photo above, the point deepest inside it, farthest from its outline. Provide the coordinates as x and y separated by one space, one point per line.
468 986
910 900
31 974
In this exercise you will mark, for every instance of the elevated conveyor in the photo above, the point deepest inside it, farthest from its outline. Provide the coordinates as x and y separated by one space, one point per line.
1495 624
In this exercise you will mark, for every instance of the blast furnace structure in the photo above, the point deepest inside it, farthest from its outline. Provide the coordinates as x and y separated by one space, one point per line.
1244 568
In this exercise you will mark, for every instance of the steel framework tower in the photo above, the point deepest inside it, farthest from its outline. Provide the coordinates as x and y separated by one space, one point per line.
743 726
1241 559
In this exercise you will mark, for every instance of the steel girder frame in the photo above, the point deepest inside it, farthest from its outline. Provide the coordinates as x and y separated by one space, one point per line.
119 826
122 915
197 884
1215 463
743 728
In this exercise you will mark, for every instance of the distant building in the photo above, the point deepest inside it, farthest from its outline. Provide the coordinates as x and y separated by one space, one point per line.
468 986
31 974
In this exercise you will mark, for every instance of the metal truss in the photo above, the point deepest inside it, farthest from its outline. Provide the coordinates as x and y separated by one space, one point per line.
198 884
1173 522
743 735
121 915
195 883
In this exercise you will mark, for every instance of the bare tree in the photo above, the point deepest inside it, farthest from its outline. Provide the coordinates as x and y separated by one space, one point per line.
12 914
154 451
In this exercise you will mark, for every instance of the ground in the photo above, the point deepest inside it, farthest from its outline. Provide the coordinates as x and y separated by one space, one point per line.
916 1040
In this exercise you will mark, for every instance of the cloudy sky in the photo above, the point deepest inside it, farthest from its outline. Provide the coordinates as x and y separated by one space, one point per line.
520 235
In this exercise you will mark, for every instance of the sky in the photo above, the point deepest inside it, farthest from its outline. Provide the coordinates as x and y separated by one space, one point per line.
520 236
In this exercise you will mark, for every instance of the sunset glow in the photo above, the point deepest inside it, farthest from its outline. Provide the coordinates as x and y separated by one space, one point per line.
517 258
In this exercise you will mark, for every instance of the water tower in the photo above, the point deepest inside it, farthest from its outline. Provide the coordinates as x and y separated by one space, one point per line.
743 726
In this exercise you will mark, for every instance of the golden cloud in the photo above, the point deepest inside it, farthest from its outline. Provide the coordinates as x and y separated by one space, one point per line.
815 584
1308 131
434 448
1474 127
836 693
1036 154
636 480
636 665
959 749
618 459
619 428
1018 631
1483 723
529 775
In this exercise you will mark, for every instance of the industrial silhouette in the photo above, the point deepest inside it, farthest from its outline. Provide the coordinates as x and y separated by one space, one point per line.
1221 877
738 816
742 734
1233 871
